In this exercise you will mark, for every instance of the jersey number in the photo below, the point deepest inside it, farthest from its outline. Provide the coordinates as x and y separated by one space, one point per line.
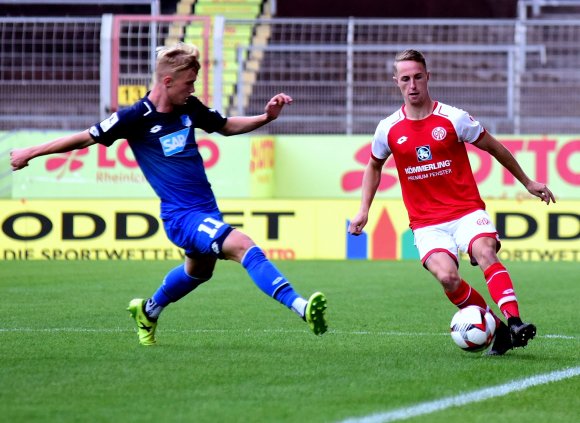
210 230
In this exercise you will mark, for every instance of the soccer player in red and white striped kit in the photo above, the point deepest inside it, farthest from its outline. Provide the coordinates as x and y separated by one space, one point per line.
446 213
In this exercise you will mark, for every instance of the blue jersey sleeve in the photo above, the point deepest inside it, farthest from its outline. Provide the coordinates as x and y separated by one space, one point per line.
210 120
117 126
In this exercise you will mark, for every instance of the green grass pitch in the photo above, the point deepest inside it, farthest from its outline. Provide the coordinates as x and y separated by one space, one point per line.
227 353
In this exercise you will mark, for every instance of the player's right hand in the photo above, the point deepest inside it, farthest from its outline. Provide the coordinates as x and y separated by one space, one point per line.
357 224
18 159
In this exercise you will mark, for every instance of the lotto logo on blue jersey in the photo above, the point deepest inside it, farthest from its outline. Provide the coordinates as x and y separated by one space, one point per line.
423 153
174 143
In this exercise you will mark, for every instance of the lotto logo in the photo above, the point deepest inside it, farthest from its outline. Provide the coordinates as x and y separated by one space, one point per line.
482 221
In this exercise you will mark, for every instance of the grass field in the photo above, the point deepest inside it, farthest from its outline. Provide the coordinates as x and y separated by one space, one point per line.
227 353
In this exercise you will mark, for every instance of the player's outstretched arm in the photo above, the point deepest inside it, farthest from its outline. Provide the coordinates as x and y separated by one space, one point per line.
242 124
504 156
20 157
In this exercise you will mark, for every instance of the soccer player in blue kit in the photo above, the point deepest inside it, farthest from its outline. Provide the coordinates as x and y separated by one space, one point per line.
160 132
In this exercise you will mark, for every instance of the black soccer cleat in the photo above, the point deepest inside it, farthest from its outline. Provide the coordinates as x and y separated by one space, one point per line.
503 340
521 333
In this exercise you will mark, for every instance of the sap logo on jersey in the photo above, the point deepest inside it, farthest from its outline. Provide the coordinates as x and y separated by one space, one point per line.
174 143
423 153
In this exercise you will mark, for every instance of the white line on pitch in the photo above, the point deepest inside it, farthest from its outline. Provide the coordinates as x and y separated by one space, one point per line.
181 330
466 398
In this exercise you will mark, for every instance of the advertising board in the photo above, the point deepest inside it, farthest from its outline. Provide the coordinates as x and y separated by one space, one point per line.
284 229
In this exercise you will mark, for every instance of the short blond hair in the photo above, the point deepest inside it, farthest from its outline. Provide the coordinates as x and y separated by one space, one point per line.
409 55
176 58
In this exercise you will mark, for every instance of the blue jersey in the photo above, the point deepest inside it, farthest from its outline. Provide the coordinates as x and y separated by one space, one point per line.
165 149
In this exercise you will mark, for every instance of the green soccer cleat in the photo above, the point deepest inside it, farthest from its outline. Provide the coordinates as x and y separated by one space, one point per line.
145 327
314 314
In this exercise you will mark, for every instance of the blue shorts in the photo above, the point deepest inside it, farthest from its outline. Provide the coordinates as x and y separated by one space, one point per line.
198 233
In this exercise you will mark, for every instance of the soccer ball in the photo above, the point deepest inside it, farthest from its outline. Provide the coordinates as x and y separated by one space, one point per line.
473 328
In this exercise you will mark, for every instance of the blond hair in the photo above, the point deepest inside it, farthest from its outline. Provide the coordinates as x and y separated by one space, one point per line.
176 58
412 55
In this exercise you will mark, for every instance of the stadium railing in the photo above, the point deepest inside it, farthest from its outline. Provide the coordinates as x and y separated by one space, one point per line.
515 75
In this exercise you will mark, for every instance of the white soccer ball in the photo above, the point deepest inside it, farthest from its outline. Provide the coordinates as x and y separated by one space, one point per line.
473 328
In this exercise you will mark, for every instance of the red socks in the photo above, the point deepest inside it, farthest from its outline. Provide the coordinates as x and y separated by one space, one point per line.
501 289
465 296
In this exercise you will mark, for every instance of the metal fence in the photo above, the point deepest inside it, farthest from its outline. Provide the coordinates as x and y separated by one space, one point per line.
49 72
516 75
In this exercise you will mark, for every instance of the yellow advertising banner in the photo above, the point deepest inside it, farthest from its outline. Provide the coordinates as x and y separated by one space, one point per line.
262 167
284 229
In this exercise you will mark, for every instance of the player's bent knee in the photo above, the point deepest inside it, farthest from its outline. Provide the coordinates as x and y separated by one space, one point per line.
201 278
449 280
236 245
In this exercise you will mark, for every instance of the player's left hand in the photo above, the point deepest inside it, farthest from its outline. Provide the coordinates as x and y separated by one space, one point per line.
275 105
541 191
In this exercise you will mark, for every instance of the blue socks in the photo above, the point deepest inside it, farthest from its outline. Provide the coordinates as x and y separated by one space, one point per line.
269 279
176 285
